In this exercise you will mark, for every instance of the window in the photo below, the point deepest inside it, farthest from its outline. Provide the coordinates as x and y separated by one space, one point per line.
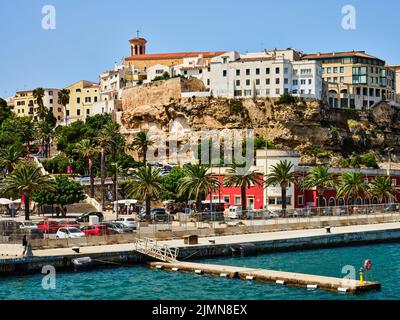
286 81
88 99
247 92
78 100
238 82
238 200
286 71
237 72
309 81
50 93
329 70
341 79
335 70
208 82
277 91
88 111
67 112
247 82
78 90
277 81
78 112
267 81
303 81
51 101
267 71
295 82
341 69
257 82
300 200
227 199
247 72
238 93
277 70
257 71
224 73
95 99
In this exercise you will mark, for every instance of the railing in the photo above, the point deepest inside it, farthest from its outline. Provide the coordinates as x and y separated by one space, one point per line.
150 248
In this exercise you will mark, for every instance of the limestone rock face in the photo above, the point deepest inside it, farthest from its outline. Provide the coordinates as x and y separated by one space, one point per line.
304 125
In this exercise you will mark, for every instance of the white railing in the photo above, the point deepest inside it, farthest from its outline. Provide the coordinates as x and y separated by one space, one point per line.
150 248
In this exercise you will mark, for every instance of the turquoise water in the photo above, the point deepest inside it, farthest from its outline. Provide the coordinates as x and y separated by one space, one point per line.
141 283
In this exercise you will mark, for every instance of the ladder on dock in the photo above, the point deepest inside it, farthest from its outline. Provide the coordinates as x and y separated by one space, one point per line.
150 248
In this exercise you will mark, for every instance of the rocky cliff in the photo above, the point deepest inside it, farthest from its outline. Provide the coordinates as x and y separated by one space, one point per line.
321 134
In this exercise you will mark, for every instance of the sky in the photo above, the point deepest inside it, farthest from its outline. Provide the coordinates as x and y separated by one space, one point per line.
91 35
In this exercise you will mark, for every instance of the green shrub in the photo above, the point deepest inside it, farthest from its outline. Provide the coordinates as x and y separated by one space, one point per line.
286 98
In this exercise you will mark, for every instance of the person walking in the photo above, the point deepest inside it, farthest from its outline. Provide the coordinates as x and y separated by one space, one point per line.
25 246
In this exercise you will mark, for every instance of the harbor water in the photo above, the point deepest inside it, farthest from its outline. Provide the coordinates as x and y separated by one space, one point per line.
141 283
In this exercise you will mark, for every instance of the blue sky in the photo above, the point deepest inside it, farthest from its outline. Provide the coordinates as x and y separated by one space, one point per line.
91 35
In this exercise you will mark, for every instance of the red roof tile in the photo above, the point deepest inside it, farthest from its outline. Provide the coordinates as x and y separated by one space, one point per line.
178 55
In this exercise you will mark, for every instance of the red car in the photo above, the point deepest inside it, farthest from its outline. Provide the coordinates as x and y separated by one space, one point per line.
96 230
52 226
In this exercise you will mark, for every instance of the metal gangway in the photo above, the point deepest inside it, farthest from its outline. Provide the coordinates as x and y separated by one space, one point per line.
150 248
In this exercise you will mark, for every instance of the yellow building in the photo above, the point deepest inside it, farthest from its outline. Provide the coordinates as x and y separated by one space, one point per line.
26 105
83 94
141 60
355 79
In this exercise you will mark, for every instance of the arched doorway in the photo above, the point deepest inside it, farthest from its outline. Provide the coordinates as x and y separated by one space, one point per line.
375 200
350 201
359 201
341 202
366 202
332 202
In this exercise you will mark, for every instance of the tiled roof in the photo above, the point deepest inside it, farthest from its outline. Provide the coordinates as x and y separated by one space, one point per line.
360 54
155 56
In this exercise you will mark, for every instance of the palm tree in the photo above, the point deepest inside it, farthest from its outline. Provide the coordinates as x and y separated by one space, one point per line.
87 151
351 184
320 179
197 182
9 157
63 99
145 184
25 179
141 144
282 175
38 94
103 139
382 188
115 141
45 133
239 177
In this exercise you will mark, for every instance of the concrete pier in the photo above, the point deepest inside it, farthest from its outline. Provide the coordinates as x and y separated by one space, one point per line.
271 276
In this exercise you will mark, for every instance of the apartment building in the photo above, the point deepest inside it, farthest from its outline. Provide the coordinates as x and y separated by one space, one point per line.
264 74
396 69
25 103
83 95
355 79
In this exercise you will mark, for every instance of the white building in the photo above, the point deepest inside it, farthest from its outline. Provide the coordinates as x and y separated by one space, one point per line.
264 74
265 160
112 83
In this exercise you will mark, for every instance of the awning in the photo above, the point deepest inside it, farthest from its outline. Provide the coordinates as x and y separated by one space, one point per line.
5 202
215 201
126 202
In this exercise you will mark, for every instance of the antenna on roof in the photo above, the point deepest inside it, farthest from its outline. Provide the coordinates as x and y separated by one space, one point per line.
138 33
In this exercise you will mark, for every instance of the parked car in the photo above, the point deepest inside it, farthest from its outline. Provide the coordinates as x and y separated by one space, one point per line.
160 215
96 230
86 216
52 226
128 222
27 225
235 212
69 233
117 227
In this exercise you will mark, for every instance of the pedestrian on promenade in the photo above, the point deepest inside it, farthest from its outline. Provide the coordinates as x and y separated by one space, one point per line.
25 245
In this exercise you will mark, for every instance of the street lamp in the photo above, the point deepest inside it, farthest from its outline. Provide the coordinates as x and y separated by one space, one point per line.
389 151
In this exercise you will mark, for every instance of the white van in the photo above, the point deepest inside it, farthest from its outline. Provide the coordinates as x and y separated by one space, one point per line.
235 212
